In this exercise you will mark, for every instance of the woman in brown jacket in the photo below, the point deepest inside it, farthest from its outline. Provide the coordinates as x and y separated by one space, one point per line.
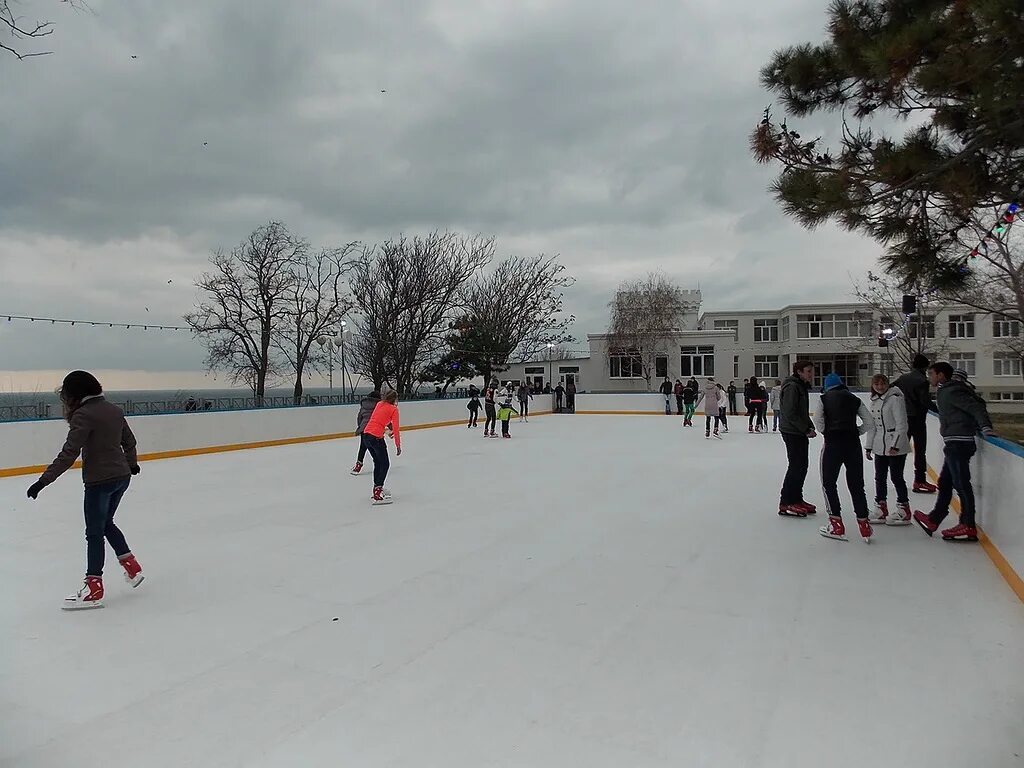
97 430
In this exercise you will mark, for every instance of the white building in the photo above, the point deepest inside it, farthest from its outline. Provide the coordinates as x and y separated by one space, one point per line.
733 345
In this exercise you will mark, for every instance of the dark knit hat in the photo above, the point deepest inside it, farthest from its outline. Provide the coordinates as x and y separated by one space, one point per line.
920 361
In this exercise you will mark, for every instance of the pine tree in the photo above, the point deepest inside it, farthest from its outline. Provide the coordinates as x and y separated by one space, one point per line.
951 72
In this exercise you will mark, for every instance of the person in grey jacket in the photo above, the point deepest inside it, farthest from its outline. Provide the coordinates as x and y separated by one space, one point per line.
99 432
775 400
962 414
366 406
709 396
887 444
797 431
918 398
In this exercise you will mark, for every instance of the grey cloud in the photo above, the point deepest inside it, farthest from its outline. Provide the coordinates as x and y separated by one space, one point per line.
614 135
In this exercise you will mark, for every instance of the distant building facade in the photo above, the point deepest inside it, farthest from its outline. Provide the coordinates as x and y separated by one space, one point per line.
840 338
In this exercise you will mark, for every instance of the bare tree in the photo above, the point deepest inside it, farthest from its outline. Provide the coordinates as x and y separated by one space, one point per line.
644 315
514 311
316 303
407 292
917 336
246 299
21 30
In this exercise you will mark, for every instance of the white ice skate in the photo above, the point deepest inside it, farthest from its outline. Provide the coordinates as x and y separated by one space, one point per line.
381 496
89 596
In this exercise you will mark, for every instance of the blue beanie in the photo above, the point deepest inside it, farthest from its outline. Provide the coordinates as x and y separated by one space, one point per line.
833 380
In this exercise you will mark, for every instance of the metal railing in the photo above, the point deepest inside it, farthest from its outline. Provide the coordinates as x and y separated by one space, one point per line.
39 411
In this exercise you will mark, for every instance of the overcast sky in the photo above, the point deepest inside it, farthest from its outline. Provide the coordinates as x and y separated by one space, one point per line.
611 133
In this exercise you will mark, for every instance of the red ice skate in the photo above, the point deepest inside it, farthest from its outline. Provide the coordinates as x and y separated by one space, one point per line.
925 488
925 522
865 529
960 533
834 529
880 513
357 468
132 570
807 507
791 510
380 496
89 596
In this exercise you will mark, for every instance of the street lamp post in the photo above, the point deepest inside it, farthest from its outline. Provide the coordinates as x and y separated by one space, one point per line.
551 348
344 373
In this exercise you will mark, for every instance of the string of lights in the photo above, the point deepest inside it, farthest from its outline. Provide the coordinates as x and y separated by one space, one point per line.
93 323
1003 223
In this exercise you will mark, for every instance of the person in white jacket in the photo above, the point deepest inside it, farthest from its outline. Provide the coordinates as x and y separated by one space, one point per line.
888 441
723 409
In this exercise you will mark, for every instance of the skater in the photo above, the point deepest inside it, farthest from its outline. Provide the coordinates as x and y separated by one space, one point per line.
918 397
98 431
723 406
732 398
474 407
962 414
775 398
752 395
383 418
505 414
762 408
559 394
797 431
570 394
677 392
666 390
887 443
689 405
836 417
366 406
710 399
490 408
525 396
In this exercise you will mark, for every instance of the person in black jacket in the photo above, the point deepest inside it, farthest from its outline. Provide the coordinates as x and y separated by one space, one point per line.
962 414
366 406
918 397
666 390
731 392
797 430
836 416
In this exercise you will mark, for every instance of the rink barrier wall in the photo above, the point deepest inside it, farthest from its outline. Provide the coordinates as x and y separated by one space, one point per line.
997 474
27 448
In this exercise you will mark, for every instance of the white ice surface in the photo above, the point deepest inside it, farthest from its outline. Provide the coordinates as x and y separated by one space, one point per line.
597 591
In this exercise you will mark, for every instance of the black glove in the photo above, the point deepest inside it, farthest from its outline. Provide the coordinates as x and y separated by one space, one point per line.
136 469
35 488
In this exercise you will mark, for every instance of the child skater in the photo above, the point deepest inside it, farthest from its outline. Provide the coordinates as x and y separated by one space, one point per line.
474 408
723 407
366 406
385 416
97 430
505 414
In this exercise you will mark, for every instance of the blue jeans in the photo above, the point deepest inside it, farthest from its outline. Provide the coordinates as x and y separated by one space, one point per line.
956 473
381 463
100 505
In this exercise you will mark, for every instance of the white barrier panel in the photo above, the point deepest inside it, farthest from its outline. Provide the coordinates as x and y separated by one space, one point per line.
34 443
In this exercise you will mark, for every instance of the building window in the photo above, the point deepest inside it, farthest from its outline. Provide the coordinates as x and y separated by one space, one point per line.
845 325
735 366
530 371
661 367
625 365
961 326
964 360
1006 364
697 361
785 329
727 325
766 330
925 324
1016 397
766 366
1005 327
810 327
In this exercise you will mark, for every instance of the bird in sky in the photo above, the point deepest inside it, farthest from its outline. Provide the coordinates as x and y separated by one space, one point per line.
135 57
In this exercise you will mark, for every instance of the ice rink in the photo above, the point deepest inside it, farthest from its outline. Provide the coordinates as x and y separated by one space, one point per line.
598 591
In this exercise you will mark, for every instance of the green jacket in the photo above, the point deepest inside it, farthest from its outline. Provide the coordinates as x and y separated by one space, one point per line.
505 412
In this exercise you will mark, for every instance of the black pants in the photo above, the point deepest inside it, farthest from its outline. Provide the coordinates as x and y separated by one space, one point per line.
956 473
558 402
679 405
492 417
524 408
732 404
570 401
473 413
722 418
895 467
361 456
797 447
762 415
919 434
707 422
100 505
504 426
381 462
843 450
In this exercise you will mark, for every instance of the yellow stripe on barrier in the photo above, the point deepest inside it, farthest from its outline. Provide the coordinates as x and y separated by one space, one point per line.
1010 576
182 453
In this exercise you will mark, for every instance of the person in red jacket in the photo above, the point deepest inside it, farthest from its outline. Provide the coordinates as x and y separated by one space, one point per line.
98 431
385 415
